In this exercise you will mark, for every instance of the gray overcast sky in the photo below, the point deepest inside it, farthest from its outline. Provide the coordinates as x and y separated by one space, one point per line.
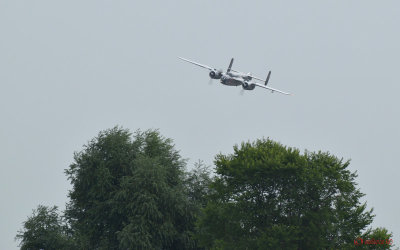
69 69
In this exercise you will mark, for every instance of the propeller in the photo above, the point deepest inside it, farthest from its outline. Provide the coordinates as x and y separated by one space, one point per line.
241 91
210 82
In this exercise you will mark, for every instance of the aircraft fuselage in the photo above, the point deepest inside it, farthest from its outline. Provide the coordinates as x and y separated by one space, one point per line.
231 81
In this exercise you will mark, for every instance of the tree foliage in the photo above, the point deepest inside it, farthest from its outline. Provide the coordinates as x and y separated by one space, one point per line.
268 196
197 184
378 238
45 229
129 193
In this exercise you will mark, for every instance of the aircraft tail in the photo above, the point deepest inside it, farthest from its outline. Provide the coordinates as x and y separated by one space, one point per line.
266 81
230 66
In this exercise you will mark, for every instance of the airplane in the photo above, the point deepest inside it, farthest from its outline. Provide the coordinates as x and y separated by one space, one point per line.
236 78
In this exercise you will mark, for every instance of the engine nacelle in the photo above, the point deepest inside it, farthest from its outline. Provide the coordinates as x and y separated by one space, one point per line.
215 74
247 77
247 86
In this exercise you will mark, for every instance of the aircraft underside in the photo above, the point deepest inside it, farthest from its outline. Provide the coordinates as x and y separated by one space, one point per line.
230 81
236 82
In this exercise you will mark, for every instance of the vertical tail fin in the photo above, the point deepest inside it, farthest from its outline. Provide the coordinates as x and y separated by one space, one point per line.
266 81
230 66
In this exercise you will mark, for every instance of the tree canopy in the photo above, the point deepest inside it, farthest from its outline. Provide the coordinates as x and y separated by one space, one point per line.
268 196
131 191
45 229
128 192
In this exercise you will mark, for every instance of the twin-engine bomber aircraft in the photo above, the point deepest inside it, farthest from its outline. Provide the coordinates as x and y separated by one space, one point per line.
235 78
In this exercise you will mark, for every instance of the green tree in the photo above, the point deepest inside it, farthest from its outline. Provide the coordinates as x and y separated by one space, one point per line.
129 193
378 238
197 184
45 229
268 196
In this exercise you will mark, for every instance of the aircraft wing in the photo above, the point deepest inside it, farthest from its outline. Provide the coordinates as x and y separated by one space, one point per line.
198 64
272 89
254 77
